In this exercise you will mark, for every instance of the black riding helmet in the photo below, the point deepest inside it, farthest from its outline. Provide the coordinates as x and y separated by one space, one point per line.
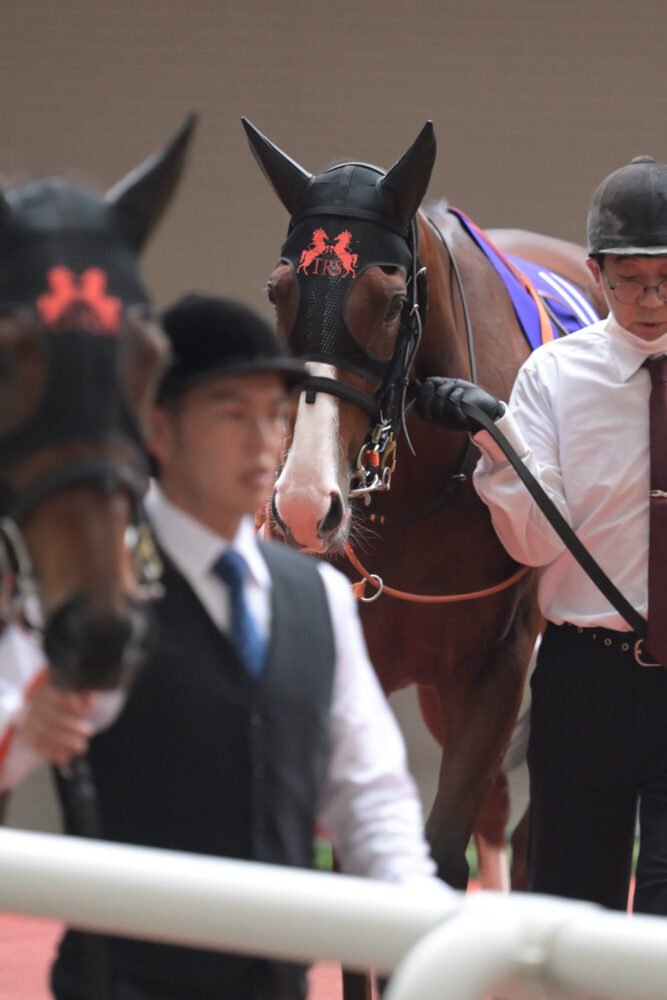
212 336
628 213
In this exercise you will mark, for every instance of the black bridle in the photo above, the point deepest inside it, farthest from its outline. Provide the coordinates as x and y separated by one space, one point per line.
376 459
18 584
83 401
387 405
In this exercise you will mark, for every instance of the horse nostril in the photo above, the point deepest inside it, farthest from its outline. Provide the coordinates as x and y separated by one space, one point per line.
276 515
333 517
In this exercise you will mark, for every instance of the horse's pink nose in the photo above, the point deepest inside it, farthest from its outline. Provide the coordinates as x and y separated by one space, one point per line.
309 518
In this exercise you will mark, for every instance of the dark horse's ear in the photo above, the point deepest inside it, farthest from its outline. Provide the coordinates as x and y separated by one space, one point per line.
286 177
405 184
138 200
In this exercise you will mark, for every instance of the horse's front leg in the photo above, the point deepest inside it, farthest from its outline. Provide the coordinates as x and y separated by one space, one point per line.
490 833
486 698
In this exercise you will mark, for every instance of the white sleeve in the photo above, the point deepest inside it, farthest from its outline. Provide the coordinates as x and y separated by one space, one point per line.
370 806
22 661
519 523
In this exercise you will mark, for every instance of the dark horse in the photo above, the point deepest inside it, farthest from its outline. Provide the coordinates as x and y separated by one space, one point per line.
357 321
79 353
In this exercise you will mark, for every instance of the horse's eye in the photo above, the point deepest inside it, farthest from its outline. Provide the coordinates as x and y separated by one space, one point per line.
395 307
270 293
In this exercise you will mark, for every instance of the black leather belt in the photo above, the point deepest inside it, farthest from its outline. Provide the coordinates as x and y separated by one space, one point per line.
625 642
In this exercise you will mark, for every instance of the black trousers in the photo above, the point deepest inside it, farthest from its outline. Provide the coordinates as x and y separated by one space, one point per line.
597 751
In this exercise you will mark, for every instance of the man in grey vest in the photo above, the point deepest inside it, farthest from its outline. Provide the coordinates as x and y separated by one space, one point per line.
259 714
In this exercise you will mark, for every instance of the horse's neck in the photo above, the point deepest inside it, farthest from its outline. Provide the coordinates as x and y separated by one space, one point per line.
492 334
444 348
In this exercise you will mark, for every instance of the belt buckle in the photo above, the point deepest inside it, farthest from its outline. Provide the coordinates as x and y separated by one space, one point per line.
638 652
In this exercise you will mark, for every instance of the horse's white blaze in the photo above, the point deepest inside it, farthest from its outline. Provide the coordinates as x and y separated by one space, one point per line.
309 478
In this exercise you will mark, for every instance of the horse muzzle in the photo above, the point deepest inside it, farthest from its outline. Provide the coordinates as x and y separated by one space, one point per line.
318 527
89 650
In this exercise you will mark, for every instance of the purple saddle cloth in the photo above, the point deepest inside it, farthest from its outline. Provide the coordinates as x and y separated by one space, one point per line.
568 304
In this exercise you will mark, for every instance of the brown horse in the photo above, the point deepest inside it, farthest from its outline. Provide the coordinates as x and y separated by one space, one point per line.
429 535
79 353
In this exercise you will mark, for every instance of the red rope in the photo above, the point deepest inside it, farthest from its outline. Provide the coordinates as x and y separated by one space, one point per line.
424 598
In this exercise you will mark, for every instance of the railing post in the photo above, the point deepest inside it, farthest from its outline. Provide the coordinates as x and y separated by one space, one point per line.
461 959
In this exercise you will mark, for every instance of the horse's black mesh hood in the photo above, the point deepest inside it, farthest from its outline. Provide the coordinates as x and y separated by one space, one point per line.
84 399
352 190
64 257
328 253
54 224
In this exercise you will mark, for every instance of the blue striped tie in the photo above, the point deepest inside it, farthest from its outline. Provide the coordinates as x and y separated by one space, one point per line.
243 632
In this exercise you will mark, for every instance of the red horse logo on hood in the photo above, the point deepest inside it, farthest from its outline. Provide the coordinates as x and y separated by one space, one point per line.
329 257
79 301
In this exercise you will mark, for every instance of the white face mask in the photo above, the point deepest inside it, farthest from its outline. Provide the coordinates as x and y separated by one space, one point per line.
648 348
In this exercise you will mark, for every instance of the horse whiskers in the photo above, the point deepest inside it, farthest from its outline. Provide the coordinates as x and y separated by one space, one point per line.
361 534
271 523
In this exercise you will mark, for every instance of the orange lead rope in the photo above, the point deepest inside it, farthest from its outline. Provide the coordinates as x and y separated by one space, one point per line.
377 582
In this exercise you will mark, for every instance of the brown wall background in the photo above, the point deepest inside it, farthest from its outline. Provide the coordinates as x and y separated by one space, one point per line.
533 101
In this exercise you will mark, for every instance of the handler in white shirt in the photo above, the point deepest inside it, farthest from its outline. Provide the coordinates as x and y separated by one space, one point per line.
579 418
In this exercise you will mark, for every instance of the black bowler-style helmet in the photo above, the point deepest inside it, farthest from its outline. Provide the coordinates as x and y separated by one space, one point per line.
628 213
212 336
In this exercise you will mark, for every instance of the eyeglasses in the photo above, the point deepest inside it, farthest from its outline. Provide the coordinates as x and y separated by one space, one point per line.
630 292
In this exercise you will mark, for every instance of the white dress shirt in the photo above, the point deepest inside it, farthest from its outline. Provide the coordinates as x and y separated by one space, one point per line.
581 404
369 804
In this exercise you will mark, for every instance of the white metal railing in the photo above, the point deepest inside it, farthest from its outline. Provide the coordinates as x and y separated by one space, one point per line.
524 945
454 946
214 903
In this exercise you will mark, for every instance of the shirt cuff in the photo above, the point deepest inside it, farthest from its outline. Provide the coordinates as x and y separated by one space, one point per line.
492 451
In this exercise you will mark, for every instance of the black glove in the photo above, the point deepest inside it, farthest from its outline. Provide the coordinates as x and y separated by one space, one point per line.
439 400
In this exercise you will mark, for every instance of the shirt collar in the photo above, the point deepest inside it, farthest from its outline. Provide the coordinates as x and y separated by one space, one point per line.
193 547
628 351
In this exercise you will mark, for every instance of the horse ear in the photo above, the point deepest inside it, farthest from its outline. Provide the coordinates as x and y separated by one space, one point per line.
286 177
406 182
140 198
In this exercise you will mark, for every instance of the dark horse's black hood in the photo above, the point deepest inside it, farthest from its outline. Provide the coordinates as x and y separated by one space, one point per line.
70 258
40 257
59 240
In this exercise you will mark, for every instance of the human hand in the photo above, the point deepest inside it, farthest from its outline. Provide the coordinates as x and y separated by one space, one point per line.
439 400
56 724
